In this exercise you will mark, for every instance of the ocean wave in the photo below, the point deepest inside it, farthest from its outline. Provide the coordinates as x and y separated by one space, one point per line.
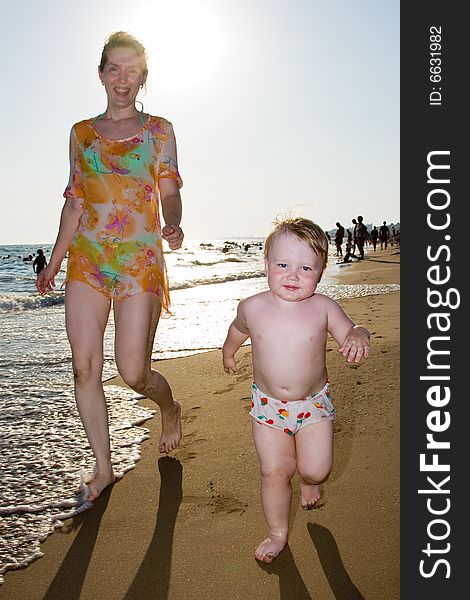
217 279
19 303
233 259
45 461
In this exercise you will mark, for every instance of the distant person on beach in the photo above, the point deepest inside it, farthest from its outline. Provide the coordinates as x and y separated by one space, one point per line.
361 236
339 235
349 255
384 234
354 239
374 236
39 262
292 412
123 163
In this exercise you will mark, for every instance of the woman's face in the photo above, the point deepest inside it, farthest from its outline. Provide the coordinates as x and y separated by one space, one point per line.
123 74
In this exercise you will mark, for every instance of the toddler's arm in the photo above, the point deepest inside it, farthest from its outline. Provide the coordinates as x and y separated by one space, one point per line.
353 339
237 334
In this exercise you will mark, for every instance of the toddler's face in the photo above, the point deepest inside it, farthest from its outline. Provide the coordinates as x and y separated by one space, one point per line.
293 268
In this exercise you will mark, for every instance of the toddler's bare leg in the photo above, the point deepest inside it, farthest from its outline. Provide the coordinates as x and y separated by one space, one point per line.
136 321
86 315
276 453
309 494
314 450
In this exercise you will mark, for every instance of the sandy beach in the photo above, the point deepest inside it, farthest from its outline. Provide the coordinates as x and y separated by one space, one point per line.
185 526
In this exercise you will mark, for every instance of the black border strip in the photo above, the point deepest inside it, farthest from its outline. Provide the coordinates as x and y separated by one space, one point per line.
433 231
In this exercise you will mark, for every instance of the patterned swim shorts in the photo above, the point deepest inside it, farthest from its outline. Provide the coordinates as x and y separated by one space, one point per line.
291 415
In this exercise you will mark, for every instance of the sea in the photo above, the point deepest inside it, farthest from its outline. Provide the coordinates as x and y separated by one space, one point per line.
44 451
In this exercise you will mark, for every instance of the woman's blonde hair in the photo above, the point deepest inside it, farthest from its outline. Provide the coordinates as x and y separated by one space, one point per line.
122 39
306 230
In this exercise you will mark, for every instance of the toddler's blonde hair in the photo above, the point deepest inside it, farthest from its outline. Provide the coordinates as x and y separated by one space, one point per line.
306 230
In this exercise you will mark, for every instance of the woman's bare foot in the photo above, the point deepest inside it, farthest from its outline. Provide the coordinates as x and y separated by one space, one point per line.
271 547
309 495
100 480
171 428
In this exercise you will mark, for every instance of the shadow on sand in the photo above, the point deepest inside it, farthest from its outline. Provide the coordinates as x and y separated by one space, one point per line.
330 559
291 585
154 572
69 579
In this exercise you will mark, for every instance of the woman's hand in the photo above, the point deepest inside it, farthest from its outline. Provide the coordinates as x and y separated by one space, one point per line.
45 282
174 235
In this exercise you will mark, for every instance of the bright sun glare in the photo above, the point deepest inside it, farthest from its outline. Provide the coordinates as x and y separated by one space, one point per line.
183 40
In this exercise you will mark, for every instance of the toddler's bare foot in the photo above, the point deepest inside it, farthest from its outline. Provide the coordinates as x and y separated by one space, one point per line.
171 428
309 494
100 481
271 547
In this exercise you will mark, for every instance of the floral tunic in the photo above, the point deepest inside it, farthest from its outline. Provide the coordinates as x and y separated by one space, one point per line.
117 248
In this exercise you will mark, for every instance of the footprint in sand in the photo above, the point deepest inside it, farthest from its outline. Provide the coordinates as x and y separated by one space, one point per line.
220 503
246 403
224 391
185 451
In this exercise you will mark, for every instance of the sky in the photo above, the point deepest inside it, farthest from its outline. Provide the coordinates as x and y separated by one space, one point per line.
278 106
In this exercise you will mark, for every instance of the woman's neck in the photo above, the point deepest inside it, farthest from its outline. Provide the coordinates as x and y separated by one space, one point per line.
116 115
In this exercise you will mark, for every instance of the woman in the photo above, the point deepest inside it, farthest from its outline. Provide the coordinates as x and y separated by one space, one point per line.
122 164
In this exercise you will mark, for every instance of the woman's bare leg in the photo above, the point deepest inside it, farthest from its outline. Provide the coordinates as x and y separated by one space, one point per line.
86 315
136 320
276 453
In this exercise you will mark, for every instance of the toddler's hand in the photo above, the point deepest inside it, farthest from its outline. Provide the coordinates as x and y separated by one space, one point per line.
230 365
174 235
356 345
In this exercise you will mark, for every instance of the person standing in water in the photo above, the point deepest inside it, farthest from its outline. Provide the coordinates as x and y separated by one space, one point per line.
39 262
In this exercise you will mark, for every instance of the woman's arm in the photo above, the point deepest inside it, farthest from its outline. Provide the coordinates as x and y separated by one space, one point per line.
69 219
170 199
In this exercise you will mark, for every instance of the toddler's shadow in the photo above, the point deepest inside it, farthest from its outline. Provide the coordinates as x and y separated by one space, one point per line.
291 584
332 564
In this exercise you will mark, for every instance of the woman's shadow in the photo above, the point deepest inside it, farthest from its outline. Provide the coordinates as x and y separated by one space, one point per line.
154 572
69 579
153 576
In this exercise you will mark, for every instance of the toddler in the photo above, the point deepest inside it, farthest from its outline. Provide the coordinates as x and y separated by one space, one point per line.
292 412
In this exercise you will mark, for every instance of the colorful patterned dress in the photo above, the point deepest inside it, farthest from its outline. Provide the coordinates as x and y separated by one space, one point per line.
117 248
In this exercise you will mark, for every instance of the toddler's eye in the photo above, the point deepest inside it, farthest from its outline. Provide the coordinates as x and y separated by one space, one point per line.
305 268
282 265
